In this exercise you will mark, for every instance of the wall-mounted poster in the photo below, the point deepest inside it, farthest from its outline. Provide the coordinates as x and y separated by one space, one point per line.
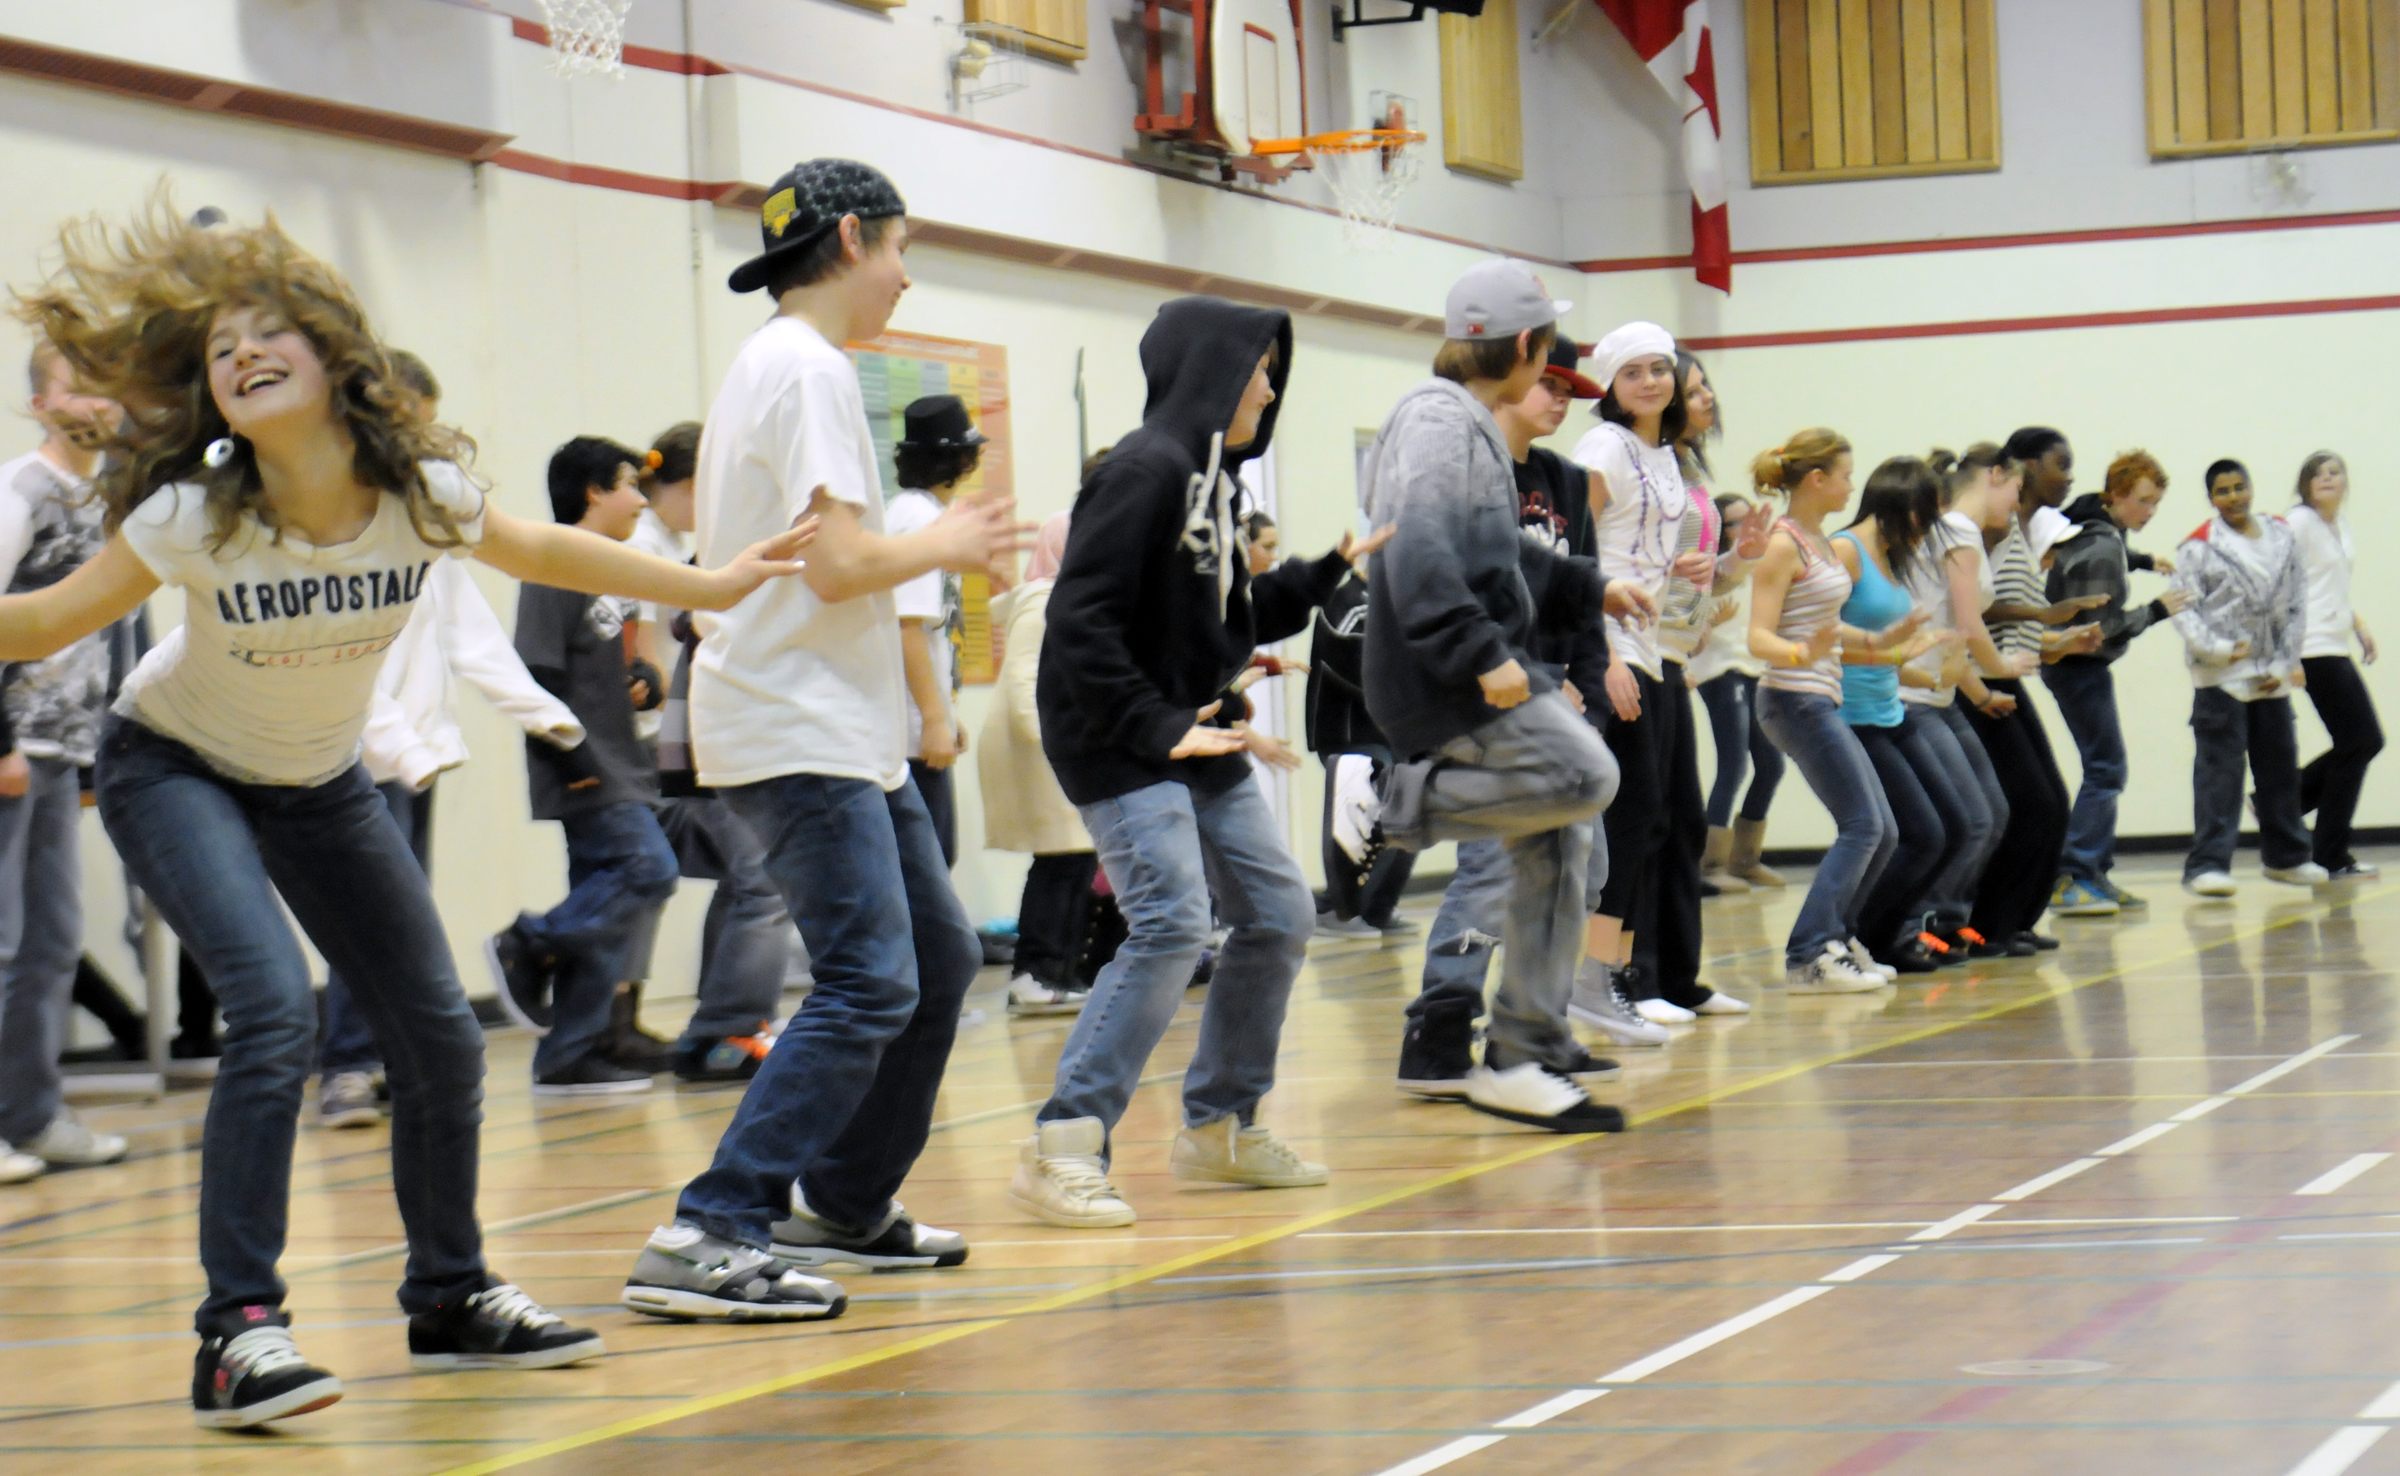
898 368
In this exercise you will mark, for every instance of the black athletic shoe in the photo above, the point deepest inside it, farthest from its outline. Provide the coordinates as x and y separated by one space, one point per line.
627 1044
2041 942
1911 957
521 976
256 1375
1435 1058
1589 1067
498 1327
591 1077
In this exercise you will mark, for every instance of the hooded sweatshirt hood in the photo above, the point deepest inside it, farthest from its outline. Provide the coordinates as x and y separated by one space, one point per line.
1197 358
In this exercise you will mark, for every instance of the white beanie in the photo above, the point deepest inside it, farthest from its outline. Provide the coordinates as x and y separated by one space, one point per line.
1631 342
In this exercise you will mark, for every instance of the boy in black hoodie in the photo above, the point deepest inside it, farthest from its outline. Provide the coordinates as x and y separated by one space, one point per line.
1153 614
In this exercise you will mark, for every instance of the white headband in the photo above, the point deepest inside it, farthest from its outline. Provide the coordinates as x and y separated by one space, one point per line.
1631 342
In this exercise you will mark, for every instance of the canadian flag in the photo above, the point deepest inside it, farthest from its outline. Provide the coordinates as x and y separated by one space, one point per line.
1672 38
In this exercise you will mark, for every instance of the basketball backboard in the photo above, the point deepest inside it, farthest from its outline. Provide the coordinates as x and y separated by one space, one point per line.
1220 76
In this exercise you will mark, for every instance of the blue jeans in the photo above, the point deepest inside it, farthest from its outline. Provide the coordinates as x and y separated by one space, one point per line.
212 853
2227 733
1810 731
1167 848
1978 806
619 869
349 1043
1732 703
41 941
844 1101
746 938
2086 694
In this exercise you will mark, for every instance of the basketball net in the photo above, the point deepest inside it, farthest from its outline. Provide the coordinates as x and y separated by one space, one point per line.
1367 186
587 37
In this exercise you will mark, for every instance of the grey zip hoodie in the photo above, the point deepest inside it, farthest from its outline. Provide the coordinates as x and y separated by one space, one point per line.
1446 598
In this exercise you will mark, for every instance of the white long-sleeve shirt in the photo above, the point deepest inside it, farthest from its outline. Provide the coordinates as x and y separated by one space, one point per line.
2325 556
412 729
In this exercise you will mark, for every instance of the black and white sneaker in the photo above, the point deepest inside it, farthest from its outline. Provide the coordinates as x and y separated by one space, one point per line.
1436 1057
897 1244
591 1077
256 1375
521 975
686 1274
1533 1093
498 1327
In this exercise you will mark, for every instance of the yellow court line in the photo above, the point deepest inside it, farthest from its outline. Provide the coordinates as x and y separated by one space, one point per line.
1539 1148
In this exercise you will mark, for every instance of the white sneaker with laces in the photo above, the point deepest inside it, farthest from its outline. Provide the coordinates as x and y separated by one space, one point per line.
1028 995
1061 1180
1830 973
2306 874
67 1143
2210 884
1355 804
1659 1012
1225 1152
1721 1003
1863 959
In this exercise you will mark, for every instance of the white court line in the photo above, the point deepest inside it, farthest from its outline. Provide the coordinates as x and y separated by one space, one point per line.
2341 1450
2150 1134
2346 1235
2334 1178
2045 1061
2385 1407
2199 1110
1599 1230
1735 1326
2055 1177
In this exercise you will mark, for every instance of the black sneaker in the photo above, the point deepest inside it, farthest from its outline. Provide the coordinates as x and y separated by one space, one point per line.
256 1375
898 1244
591 1077
521 977
727 1062
498 1327
2039 942
1910 957
1436 1057
1589 1067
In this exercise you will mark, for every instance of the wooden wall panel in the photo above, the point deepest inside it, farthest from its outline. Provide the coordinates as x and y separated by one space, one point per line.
1483 109
1057 29
2229 76
1853 89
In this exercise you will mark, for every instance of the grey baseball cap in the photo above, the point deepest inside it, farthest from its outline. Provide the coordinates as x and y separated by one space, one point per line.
1499 299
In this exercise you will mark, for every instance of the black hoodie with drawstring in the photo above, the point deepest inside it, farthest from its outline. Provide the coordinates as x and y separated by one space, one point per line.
1154 612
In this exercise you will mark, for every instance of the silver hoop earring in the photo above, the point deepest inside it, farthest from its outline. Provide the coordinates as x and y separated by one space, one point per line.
219 452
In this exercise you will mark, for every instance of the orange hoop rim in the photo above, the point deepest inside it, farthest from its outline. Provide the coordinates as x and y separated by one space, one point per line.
1352 141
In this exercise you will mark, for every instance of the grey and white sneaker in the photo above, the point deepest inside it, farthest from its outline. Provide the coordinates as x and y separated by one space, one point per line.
686 1274
897 1243
2306 874
1830 972
16 1165
67 1143
1599 1001
1863 959
346 1099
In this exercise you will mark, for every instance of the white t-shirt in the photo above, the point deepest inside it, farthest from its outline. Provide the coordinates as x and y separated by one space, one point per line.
652 536
785 683
1928 584
2325 557
931 597
270 675
1639 531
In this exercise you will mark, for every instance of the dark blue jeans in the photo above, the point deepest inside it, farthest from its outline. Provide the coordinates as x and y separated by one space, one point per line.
349 1043
212 853
1923 845
2086 694
619 869
1732 703
1978 805
1810 731
845 1100
2227 735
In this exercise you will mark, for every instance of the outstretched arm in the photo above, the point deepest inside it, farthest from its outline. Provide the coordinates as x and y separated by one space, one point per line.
570 558
102 592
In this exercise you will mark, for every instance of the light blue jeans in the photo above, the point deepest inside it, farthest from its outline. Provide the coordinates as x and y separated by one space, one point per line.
41 939
1167 849
1810 731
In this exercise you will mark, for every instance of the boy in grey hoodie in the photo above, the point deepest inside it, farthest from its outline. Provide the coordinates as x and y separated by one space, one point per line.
1492 748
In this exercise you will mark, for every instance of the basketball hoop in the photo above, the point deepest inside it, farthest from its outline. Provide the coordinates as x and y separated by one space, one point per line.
587 37
1368 169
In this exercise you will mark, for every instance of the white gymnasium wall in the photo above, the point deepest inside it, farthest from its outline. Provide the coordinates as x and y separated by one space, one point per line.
552 308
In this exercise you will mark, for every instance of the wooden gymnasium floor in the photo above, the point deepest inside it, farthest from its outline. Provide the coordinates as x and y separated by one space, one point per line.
2127 1211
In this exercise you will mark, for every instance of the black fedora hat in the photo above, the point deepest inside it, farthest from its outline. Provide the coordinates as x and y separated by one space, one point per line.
810 199
938 423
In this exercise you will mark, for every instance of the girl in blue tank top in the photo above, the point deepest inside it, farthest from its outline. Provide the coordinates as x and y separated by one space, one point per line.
1871 693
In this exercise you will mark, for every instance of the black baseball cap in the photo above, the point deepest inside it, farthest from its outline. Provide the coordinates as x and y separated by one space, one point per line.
1565 354
807 201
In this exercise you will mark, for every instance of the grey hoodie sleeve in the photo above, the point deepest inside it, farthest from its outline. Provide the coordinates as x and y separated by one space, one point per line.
1422 470
2291 594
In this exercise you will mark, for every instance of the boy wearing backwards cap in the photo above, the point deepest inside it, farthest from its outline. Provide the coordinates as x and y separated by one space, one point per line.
798 715
1495 749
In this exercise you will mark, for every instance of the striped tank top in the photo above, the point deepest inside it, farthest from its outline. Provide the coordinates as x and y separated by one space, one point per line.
1813 602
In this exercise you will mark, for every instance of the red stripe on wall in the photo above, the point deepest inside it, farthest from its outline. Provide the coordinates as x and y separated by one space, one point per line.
1970 328
625 180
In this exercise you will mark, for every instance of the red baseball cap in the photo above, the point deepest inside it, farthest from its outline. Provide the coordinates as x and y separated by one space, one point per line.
1565 354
